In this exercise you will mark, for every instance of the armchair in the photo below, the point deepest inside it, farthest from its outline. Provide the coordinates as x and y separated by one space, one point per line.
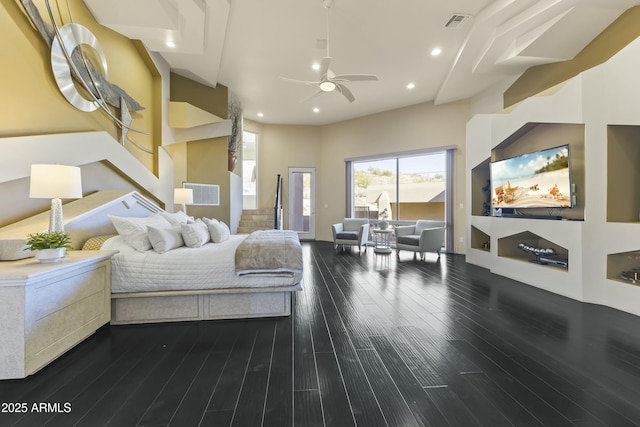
351 232
424 236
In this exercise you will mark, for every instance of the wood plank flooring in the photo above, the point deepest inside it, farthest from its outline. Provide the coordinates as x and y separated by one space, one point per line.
371 342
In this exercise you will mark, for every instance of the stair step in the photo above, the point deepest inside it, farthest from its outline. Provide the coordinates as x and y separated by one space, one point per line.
248 230
261 211
256 219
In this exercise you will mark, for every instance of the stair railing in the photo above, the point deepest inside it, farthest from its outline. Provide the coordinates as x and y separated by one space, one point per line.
277 210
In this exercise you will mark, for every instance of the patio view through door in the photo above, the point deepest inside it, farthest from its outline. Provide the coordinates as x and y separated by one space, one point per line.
403 188
302 209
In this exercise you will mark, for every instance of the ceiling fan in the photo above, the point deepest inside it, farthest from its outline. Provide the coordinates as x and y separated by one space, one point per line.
329 81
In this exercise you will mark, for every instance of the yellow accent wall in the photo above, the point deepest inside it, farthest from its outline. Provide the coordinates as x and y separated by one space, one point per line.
31 102
204 161
616 36
207 164
209 99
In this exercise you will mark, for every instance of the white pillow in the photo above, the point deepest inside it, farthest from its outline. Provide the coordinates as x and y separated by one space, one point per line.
196 234
13 249
128 225
219 230
177 218
164 239
138 240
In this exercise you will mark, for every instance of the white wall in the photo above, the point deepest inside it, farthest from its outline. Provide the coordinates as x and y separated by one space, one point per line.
417 127
599 249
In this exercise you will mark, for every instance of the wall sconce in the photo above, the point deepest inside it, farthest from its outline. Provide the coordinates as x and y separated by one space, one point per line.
55 182
183 196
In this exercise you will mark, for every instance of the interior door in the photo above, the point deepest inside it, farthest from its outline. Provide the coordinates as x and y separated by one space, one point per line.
302 202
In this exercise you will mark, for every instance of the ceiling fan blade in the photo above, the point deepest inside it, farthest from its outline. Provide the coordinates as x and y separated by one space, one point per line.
319 92
324 66
345 92
355 77
304 82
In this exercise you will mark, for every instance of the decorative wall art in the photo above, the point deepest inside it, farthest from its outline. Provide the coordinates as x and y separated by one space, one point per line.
69 64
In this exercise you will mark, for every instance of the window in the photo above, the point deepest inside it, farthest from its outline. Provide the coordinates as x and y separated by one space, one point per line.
249 176
407 186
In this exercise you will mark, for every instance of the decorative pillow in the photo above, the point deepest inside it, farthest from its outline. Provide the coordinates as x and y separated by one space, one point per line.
196 234
128 225
218 230
138 240
176 218
13 249
164 239
95 243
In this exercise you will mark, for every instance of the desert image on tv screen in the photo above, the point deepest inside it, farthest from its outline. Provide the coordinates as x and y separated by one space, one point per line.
534 180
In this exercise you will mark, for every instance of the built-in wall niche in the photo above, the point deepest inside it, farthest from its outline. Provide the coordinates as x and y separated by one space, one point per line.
480 239
480 190
539 136
623 173
509 247
624 267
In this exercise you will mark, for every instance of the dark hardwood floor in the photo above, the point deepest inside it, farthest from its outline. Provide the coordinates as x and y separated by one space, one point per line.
371 342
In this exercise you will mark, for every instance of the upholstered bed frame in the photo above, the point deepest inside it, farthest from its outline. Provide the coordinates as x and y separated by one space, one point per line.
87 217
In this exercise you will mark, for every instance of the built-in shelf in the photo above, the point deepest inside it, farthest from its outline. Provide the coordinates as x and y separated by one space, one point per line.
480 240
595 113
508 247
539 136
481 189
624 263
623 173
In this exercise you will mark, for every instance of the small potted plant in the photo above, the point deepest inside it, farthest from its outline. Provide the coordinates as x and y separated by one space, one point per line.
383 223
48 246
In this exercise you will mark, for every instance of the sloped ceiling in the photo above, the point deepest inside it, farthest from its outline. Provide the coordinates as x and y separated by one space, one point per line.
247 45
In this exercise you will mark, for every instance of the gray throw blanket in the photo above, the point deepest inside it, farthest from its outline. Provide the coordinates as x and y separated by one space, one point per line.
270 253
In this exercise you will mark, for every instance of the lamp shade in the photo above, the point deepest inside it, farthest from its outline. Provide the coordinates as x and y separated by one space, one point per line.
182 196
55 181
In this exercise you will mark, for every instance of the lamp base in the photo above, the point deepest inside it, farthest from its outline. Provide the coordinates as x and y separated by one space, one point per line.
56 222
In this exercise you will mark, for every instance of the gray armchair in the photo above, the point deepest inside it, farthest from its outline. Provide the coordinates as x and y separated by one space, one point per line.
351 232
425 236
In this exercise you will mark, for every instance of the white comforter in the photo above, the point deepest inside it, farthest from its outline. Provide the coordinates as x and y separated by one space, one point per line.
208 267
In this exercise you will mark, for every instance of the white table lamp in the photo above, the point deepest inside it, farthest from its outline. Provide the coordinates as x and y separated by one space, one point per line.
55 182
183 196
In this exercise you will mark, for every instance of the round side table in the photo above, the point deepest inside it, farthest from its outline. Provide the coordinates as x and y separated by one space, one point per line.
381 240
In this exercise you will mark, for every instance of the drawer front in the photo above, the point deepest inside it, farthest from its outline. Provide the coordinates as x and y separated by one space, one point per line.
49 297
60 313
156 309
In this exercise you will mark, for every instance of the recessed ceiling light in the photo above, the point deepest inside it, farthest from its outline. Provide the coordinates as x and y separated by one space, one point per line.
315 66
436 51
171 44
260 115
411 85
316 110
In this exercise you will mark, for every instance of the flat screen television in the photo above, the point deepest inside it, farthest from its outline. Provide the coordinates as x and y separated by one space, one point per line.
541 179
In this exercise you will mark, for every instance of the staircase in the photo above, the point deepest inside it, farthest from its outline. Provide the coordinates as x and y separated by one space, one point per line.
255 219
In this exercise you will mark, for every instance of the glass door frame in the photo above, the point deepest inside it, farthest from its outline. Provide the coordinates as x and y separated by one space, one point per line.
311 233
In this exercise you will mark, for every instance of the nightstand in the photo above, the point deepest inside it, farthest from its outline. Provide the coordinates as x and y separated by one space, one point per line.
46 309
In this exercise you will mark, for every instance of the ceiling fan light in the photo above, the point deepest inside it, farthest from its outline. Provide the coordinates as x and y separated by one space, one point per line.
327 86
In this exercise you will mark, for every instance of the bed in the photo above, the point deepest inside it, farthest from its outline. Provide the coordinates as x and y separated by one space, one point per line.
194 284
190 294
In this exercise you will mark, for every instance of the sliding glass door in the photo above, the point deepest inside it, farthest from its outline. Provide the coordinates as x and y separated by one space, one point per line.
402 187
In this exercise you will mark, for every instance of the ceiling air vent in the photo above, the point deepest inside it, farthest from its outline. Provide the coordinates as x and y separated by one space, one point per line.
457 20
